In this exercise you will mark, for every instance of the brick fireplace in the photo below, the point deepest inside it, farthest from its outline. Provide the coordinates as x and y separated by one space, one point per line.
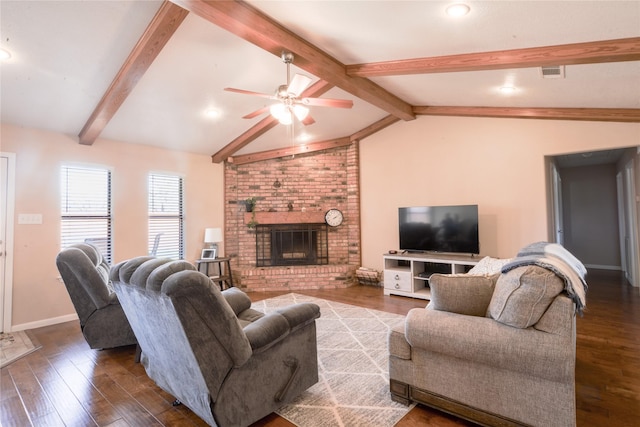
294 193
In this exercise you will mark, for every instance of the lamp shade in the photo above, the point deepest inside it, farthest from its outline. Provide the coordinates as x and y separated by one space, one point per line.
212 235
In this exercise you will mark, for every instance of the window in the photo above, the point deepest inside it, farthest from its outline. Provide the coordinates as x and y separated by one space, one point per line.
166 217
86 207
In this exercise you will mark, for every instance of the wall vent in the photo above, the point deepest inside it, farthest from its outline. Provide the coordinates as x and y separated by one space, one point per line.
552 72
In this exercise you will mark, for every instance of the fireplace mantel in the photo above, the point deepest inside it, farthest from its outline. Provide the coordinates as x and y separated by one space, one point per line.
307 217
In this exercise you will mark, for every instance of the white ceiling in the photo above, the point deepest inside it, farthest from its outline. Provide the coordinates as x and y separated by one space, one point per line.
66 53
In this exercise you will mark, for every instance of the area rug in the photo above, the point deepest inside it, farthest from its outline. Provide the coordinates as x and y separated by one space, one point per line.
14 345
353 386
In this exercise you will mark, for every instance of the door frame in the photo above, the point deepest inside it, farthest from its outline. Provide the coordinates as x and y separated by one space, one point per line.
6 282
556 200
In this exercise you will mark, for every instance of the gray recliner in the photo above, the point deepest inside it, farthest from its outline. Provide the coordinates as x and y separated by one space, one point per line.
85 274
230 364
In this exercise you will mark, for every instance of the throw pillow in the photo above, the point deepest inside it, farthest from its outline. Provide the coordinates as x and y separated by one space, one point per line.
488 265
523 294
462 294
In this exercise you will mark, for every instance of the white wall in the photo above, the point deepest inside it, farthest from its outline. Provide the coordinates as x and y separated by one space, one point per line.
495 163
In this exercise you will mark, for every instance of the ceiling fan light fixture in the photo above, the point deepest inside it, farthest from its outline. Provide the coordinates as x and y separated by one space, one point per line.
281 113
286 118
300 111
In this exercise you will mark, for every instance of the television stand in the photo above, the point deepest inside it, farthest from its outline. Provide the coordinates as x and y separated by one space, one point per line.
407 274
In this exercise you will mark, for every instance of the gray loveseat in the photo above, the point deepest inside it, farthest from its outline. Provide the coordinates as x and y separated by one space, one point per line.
496 349
228 363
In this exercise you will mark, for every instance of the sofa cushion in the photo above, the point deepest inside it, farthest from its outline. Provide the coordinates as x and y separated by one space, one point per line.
462 294
488 266
522 295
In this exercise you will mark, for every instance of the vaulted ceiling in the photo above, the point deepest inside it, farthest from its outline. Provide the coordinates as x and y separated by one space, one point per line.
151 72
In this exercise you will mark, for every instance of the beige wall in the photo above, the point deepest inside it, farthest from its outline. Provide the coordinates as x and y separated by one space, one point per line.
37 294
496 163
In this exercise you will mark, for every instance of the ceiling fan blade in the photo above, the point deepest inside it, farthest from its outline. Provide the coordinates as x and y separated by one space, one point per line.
298 84
256 113
248 92
308 121
327 102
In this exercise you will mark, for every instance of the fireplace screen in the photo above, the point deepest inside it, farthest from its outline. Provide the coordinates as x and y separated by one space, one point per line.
291 244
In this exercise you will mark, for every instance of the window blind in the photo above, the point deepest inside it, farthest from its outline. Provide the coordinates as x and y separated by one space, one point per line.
166 216
86 207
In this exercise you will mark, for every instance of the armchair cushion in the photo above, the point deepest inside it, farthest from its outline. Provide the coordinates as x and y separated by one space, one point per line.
522 295
268 330
489 266
462 294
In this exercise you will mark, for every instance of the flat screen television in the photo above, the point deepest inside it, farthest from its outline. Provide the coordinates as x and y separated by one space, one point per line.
449 229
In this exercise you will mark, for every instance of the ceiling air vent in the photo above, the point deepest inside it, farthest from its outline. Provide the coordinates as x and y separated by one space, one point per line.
552 72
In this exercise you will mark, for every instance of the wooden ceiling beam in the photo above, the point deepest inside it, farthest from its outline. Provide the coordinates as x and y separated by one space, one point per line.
165 22
290 151
597 52
318 88
374 127
314 146
627 115
255 27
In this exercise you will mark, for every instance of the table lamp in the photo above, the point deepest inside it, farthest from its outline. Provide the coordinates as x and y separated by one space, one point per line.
212 236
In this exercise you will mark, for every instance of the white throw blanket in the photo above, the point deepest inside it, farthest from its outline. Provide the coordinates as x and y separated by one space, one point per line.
556 258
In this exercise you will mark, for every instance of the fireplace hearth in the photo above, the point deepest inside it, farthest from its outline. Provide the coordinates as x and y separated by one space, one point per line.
291 244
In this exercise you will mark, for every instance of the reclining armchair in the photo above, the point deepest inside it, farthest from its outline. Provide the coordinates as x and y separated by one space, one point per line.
230 364
496 349
85 274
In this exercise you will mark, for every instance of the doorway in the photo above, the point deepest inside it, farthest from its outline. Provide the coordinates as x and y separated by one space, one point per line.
592 209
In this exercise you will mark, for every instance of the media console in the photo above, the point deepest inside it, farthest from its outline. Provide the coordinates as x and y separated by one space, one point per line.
407 274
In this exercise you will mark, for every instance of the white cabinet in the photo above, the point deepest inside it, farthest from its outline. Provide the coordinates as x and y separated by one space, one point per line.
408 274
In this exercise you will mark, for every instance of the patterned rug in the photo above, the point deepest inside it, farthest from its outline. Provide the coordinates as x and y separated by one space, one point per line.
14 345
353 386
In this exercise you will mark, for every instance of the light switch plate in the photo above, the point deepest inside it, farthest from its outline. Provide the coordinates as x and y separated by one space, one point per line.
29 218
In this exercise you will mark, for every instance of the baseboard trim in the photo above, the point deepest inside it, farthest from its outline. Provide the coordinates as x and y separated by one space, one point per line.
44 322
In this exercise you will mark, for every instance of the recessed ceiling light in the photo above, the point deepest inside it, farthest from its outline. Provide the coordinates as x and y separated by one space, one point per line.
4 54
507 90
458 9
212 113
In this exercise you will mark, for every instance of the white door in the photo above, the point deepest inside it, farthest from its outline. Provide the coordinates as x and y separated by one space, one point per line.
558 225
633 262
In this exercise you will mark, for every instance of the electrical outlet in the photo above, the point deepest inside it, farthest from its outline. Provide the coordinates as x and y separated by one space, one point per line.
29 218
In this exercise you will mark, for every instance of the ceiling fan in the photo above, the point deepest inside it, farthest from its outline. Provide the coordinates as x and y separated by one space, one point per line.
289 103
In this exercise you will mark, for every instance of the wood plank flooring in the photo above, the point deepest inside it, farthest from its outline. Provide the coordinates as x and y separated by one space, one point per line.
67 384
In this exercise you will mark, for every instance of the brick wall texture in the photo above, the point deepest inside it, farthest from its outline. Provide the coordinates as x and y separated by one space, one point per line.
299 187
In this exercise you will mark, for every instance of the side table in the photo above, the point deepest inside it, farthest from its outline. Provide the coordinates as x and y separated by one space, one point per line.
221 273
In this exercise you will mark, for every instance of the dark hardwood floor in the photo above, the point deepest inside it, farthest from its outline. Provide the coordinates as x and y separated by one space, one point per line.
67 384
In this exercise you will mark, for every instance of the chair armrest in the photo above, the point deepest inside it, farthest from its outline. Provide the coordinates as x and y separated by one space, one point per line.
273 327
299 315
266 331
238 300
487 341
